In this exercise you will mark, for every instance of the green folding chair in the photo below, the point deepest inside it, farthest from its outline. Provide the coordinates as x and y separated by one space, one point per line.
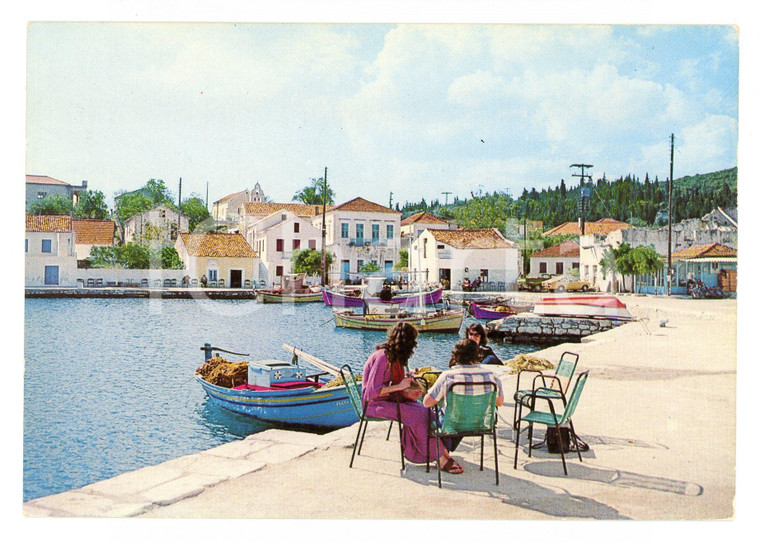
564 371
467 415
360 409
552 419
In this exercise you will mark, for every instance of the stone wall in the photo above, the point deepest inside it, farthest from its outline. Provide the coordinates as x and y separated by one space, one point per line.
547 330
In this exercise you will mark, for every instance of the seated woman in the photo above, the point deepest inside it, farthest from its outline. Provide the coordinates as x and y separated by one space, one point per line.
466 284
485 352
465 367
384 384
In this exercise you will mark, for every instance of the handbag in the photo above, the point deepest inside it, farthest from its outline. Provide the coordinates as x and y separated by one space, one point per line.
562 439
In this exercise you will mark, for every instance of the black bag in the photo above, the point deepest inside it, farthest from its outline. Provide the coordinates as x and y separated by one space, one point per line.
553 441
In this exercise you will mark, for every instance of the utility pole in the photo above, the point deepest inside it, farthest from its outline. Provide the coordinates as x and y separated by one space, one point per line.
390 202
207 195
179 212
324 230
583 202
447 196
670 212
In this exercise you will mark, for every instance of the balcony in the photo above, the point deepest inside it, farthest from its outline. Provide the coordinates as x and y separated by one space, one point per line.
364 242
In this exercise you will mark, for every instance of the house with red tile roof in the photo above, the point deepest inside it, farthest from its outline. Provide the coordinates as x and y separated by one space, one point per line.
231 208
225 259
91 232
50 256
41 186
358 232
714 264
600 227
556 260
413 225
449 257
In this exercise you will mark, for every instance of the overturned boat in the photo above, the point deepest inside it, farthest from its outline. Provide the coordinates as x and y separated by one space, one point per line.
583 306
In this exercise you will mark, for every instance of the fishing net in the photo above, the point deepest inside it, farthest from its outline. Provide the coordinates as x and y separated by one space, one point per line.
220 372
526 361
338 381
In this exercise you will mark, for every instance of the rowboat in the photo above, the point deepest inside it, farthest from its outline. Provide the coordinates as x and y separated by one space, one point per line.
439 321
490 312
354 298
583 306
285 393
274 296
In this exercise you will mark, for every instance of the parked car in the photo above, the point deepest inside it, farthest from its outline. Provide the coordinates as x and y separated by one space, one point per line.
532 283
565 283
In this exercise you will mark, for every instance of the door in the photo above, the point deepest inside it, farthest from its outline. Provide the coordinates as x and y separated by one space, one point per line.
388 269
444 277
51 274
236 278
345 269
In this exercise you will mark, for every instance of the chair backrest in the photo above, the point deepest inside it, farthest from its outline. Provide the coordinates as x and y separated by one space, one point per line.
566 368
352 388
575 396
467 413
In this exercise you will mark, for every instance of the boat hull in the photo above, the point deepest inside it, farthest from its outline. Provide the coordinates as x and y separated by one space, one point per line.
268 297
449 322
583 306
337 299
485 313
327 408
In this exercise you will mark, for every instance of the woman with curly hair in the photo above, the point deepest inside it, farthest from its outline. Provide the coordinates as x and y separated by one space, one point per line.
486 355
385 383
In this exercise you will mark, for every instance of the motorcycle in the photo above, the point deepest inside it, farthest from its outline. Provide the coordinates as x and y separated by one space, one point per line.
699 290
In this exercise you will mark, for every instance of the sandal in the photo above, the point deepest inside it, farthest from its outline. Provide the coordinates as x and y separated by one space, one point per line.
452 467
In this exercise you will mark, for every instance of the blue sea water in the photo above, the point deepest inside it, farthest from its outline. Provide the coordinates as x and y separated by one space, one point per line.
109 387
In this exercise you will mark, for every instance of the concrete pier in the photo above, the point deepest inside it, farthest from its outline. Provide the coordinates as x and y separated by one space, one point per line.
136 292
658 412
547 329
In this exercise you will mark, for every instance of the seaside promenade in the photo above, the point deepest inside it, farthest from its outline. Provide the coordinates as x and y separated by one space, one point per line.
658 412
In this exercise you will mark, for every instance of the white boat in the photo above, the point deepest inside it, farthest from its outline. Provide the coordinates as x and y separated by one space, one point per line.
583 306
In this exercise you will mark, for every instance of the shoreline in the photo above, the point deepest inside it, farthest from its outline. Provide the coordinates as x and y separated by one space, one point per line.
652 411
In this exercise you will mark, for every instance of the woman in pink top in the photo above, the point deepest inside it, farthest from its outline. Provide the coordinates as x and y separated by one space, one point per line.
385 381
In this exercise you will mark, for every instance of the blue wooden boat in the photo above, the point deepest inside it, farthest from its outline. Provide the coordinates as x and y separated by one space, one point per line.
286 393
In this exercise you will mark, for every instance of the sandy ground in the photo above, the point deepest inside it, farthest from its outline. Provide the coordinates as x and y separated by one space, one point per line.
659 412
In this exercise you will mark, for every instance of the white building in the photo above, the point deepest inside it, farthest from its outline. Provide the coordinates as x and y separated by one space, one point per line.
556 260
224 259
359 232
413 225
231 208
161 224
450 256
275 237
51 258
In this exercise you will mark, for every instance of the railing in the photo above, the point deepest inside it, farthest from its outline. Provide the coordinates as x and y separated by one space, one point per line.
364 242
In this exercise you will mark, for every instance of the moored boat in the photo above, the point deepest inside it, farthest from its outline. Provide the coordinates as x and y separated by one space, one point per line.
293 291
439 321
354 298
490 312
284 393
583 306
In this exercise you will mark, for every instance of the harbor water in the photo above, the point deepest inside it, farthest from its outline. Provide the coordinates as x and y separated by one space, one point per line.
109 385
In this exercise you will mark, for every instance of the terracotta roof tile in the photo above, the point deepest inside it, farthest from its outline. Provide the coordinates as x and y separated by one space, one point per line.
714 250
299 209
93 232
44 179
601 227
48 223
217 245
363 206
484 238
568 249
424 217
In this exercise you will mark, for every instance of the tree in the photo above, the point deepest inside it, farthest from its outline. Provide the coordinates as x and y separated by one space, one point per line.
170 258
132 204
403 260
309 261
91 204
645 261
312 195
370 267
51 205
194 208
158 193
134 256
609 265
623 260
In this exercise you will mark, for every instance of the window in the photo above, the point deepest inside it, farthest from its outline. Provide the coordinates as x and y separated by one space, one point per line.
484 275
313 244
278 271
576 265
213 274
560 268
375 232
47 245
359 265
542 267
344 230
26 245
173 234
280 244
162 213
389 231
296 244
360 231
424 248
296 227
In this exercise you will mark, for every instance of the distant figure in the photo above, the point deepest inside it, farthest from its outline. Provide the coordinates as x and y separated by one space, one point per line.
186 281
386 294
466 284
475 284
204 280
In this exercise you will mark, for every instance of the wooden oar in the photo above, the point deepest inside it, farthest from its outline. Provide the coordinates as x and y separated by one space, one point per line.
318 363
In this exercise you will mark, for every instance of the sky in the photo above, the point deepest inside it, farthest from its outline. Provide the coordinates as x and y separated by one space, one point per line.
409 109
